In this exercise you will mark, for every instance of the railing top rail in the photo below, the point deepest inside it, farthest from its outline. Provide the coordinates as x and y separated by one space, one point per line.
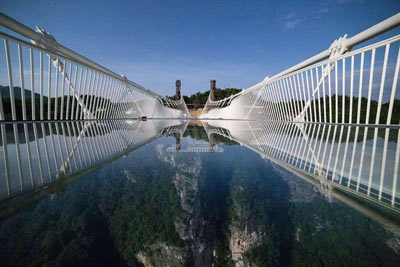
361 37
348 43
29 33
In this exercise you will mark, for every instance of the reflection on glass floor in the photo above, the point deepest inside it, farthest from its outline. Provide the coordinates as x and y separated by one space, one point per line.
177 131
35 154
361 161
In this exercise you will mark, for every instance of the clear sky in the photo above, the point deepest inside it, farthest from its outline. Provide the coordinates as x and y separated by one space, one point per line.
237 43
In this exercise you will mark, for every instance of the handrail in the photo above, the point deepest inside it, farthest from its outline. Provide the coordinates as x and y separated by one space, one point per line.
292 95
41 39
347 44
97 91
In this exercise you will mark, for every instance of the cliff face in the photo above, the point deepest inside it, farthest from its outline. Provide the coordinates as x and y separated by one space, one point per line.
186 176
394 243
189 225
242 241
187 188
300 191
245 234
186 184
244 230
162 255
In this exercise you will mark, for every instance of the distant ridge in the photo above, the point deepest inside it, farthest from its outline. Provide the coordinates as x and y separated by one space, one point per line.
5 92
201 98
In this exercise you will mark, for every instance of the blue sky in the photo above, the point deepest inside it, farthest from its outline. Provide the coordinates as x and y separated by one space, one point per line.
237 43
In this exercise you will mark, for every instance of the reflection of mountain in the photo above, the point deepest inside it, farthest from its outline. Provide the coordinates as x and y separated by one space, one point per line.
300 191
57 127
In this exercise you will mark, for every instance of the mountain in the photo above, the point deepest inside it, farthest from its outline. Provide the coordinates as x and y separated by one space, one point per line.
5 92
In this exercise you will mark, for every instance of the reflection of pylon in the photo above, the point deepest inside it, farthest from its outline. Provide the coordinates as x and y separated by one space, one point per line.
212 147
177 143
212 143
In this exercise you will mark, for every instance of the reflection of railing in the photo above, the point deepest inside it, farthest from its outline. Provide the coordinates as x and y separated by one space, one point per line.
34 154
360 165
216 130
358 86
59 84
175 130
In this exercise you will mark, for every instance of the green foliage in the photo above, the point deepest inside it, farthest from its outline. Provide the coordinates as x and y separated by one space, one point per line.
201 98
267 254
62 230
145 212
325 109
96 221
87 99
106 218
332 234
259 200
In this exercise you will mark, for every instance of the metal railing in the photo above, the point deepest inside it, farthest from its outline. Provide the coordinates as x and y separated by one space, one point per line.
334 117
47 81
326 153
336 86
44 152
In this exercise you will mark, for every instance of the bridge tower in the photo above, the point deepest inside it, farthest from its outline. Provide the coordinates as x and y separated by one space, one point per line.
212 89
178 90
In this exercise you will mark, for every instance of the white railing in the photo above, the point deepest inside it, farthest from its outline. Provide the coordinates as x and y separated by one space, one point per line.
359 165
335 86
43 152
47 81
334 117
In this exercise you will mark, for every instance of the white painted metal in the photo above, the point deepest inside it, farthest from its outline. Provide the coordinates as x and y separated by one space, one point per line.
248 103
86 93
275 140
70 148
